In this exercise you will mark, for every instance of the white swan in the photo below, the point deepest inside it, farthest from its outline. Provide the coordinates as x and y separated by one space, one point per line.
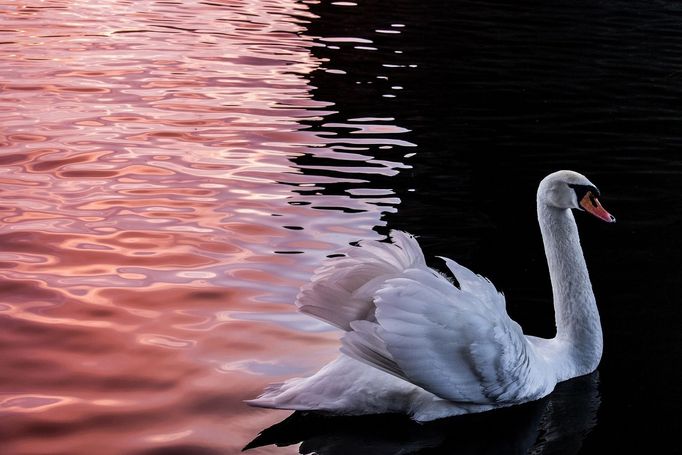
417 344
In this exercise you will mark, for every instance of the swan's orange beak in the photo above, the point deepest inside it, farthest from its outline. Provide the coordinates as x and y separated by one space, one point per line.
591 204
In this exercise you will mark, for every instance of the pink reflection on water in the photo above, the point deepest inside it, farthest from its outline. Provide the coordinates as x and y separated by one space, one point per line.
153 234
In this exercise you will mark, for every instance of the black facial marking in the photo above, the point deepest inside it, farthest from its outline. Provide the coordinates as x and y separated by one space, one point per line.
593 200
582 190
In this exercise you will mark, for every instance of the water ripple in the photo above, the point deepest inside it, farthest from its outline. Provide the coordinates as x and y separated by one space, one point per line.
166 173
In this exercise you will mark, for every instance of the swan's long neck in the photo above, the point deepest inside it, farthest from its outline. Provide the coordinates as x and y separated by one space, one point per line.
577 318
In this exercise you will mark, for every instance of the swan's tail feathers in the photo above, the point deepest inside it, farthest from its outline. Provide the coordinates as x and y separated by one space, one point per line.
341 291
280 395
267 398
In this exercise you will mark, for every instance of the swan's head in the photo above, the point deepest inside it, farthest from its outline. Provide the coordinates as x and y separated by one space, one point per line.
571 190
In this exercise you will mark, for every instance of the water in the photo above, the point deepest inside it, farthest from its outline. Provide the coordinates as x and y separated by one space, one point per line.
172 172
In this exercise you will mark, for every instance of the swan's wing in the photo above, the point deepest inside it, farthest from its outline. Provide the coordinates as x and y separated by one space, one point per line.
458 343
342 290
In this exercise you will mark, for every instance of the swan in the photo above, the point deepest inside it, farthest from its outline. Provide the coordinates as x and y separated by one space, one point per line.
416 343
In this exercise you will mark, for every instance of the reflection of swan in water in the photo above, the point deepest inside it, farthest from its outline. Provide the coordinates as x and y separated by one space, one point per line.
430 349
557 424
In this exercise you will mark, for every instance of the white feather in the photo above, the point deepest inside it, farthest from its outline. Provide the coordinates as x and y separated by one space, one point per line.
341 290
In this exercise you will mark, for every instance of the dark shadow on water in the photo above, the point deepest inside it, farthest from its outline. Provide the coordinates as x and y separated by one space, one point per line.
557 424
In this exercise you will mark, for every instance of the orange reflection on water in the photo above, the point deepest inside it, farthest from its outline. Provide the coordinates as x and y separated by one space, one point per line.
155 225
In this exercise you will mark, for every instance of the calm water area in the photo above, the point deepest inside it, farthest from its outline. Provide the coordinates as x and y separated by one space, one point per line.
171 172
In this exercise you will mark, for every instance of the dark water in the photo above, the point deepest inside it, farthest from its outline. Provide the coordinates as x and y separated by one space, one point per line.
172 172
496 95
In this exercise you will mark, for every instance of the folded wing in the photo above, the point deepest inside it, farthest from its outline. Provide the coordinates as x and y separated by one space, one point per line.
458 343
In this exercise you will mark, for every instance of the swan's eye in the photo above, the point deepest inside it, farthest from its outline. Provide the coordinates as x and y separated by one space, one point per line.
582 191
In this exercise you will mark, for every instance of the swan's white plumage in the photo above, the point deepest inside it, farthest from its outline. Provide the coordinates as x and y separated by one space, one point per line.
418 344
341 290
457 343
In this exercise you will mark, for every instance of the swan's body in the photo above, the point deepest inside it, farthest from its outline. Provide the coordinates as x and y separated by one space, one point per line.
417 344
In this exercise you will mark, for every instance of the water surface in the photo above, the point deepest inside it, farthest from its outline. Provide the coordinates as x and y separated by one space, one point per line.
172 172
154 213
